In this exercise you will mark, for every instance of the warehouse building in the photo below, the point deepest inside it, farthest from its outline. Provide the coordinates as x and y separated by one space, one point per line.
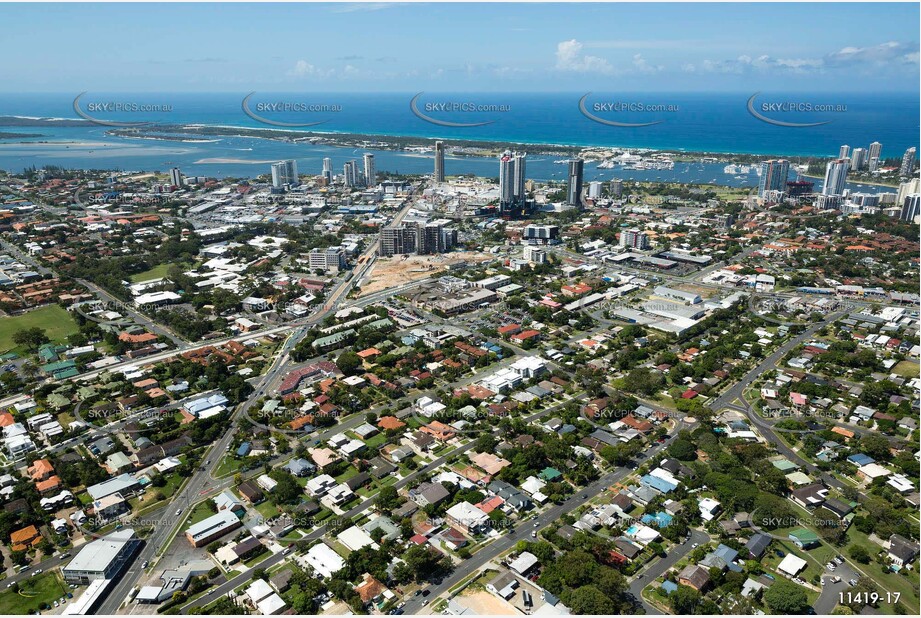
103 558
212 528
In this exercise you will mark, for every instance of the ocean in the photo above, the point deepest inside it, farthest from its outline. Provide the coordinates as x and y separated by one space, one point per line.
717 123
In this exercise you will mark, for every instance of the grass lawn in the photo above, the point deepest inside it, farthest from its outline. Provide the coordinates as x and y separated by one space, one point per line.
55 321
200 513
45 588
267 510
375 442
906 369
156 272
349 473
229 465
893 582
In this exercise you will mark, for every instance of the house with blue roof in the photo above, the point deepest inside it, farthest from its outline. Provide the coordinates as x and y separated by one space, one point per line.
660 485
244 449
668 587
861 459
722 558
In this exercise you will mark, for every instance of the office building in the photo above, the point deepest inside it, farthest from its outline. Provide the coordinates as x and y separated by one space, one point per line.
370 173
908 162
103 558
910 207
859 159
434 237
350 174
439 161
835 177
906 189
844 152
175 177
541 234
506 179
535 254
397 240
594 189
328 169
634 239
725 220
574 183
422 238
512 180
874 155
212 528
284 173
773 176
329 259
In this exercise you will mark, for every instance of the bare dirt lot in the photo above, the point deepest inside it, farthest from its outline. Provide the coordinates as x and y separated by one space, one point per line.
485 603
389 272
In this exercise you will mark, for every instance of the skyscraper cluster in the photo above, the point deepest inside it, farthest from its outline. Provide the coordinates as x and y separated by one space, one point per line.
511 181
862 158
284 173
350 173
422 238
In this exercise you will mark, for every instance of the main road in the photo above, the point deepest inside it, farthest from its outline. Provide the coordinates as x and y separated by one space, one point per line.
201 481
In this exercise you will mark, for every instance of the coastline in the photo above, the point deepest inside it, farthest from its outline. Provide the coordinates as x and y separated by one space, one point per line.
858 182
461 147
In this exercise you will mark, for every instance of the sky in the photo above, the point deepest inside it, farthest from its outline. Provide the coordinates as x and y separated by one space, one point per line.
409 47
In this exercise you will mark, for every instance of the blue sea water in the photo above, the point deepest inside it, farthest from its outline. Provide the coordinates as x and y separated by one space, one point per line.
718 123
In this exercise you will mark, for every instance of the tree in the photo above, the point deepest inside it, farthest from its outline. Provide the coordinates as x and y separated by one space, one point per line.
349 363
785 597
684 600
589 601
31 338
859 553
387 499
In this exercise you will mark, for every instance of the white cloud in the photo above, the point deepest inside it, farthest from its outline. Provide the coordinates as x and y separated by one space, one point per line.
641 65
302 68
883 53
569 57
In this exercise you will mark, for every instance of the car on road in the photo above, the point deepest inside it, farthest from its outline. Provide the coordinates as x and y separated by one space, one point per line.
178 512
536 524
695 545
533 534
852 582
146 563
287 551
425 593
425 602
9 585
836 579
37 572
